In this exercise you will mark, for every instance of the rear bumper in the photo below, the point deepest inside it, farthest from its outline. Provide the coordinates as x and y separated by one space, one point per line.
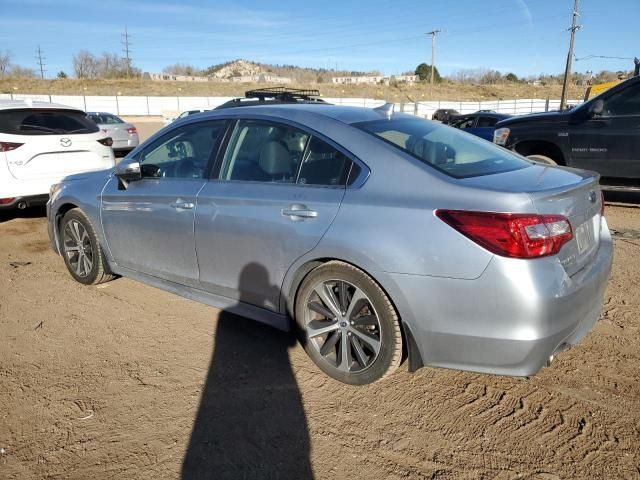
511 319
25 201
125 145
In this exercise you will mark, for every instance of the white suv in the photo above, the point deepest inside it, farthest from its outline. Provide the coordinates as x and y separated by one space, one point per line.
41 143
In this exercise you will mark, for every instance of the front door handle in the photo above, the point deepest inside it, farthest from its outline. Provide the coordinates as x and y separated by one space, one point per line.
298 212
182 206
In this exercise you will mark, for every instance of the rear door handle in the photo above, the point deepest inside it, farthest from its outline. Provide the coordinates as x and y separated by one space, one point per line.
299 212
182 206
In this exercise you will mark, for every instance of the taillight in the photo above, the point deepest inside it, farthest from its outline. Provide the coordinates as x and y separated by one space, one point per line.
601 203
6 201
106 141
512 235
8 146
132 130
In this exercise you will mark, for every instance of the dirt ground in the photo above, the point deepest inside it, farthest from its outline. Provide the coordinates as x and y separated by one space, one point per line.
124 381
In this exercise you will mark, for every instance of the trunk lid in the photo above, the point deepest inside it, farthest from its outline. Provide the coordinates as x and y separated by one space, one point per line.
572 193
56 156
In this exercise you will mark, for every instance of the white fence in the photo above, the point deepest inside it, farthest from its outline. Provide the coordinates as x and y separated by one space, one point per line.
170 106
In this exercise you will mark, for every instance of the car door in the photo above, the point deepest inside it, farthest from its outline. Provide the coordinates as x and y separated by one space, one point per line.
148 225
279 189
609 143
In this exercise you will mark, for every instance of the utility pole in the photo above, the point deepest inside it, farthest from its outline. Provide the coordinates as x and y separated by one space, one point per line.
567 71
433 34
126 51
41 60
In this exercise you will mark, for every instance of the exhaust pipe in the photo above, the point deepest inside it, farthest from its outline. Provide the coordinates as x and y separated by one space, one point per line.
22 205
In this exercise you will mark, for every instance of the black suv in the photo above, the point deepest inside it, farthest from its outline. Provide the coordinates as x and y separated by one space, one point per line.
602 134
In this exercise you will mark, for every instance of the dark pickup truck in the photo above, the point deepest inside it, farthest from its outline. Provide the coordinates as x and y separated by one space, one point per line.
602 134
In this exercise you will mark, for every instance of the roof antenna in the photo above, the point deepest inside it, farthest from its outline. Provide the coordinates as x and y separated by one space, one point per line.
386 110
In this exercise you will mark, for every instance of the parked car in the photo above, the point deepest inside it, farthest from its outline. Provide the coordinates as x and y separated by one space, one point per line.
373 234
481 124
601 134
40 143
444 114
124 134
186 113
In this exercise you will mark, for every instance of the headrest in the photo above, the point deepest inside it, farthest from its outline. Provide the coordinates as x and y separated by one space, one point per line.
274 159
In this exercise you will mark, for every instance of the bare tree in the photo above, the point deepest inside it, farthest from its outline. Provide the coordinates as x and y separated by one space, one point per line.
5 61
182 69
21 72
84 65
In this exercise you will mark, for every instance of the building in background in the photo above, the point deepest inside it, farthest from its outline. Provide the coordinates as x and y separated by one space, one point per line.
374 79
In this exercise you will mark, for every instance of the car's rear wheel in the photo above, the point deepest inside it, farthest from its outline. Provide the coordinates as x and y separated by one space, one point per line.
81 249
542 159
348 325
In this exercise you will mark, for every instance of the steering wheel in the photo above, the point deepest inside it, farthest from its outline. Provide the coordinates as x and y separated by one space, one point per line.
188 168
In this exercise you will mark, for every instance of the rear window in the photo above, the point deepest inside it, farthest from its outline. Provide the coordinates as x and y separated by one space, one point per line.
447 149
105 118
45 122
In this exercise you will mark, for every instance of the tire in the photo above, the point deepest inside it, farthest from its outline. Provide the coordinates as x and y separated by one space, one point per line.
340 306
542 159
81 249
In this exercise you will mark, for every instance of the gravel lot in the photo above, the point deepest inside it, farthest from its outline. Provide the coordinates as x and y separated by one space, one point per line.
127 381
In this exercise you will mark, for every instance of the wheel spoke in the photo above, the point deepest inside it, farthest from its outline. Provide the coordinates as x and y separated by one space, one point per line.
320 327
87 264
356 299
328 298
361 357
76 231
72 248
322 310
365 321
345 354
84 236
79 264
330 343
342 296
371 340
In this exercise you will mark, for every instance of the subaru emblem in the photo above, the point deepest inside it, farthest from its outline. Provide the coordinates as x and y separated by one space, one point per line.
592 196
65 142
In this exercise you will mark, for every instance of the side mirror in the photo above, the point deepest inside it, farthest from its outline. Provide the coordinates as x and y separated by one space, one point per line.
596 108
128 171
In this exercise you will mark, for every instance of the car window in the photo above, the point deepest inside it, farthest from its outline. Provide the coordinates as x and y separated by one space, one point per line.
626 102
45 122
323 165
464 122
486 122
263 152
443 148
183 152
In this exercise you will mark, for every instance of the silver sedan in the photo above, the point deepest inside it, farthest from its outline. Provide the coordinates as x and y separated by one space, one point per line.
124 135
376 236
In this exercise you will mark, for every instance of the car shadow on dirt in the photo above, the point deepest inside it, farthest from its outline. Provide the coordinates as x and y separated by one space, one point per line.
31 212
250 422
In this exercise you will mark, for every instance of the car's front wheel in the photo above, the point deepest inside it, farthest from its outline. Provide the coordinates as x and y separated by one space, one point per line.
81 250
348 325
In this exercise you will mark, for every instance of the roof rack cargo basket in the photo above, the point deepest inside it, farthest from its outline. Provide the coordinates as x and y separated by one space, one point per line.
282 93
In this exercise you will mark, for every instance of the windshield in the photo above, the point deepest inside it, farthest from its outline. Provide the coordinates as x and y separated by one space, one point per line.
455 153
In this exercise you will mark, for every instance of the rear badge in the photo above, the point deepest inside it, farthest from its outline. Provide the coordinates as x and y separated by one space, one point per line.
592 196
65 142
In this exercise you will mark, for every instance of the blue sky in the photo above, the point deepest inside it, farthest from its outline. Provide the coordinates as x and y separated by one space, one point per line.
522 36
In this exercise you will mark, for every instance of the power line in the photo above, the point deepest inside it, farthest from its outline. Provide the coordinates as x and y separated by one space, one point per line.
567 71
41 60
126 51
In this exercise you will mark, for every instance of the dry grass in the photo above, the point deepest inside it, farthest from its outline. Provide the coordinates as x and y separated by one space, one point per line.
397 94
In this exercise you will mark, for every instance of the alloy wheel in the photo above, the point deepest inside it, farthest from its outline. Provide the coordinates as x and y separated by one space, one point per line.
343 326
78 248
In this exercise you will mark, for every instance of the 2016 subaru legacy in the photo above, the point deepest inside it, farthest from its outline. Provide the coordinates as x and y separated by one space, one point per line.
376 235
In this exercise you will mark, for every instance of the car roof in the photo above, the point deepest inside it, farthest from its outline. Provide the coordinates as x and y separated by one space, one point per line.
23 104
341 113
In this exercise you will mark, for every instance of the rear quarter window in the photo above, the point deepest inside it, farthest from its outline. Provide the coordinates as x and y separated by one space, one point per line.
45 122
446 149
